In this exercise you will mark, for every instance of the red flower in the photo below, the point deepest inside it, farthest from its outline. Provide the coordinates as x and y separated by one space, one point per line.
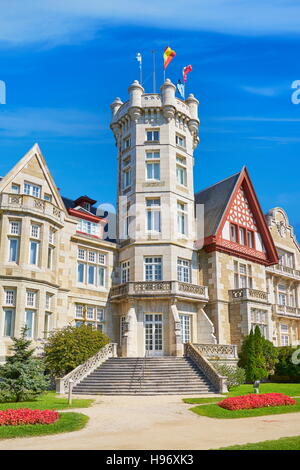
259 400
26 416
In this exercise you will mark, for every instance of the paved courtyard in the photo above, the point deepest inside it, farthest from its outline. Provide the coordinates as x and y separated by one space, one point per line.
158 422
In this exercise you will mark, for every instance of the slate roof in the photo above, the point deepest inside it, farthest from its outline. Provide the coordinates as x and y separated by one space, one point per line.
215 200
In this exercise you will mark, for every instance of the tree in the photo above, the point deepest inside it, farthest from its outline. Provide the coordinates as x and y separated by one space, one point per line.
70 346
22 375
258 356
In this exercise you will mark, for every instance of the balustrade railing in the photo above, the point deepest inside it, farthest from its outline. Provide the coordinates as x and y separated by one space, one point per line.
30 203
218 381
160 288
284 270
222 351
246 293
286 310
80 372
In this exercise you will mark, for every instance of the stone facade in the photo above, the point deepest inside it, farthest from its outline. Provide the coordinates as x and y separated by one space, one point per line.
161 282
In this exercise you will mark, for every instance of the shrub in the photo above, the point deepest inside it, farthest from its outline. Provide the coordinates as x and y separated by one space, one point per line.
285 370
26 416
70 346
235 375
22 376
258 356
259 400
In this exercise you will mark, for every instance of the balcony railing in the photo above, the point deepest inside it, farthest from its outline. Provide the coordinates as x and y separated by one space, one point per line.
24 202
159 288
285 271
246 293
286 310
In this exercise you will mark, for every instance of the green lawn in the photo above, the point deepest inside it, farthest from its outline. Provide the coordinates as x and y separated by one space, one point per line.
285 443
67 422
215 411
47 401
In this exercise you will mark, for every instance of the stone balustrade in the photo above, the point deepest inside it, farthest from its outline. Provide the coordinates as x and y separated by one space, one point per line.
24 202
80 372
159 288
286 310
247 293
285 271
218 381
222 351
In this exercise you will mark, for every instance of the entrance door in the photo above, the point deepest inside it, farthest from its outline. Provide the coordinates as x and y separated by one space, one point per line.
153 334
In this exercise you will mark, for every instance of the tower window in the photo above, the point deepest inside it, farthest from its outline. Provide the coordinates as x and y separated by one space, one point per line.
153 215
152 136
180 140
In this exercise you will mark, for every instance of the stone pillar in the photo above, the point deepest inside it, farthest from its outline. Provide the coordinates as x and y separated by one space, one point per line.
129 339
177 330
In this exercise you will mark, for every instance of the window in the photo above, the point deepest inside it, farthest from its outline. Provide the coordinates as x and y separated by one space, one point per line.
180 140
48 197
14 228
126 161
153 215
182 218
51 236
30 323
284 330
259 318
89 268
153 171
183 270
35 231
250 236
13 251
185 322
91 228
34 253
90 315
286 259
9 319
15 188
127 143
233 233
10 297
242 236
127 178
242 275
31 299
152 136
125 271
282 295
48 303
181 170
78 311
153 268
32 189
87 206
153 155
48 324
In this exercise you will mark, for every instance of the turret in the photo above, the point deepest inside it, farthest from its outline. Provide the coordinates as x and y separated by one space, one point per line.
135 99
167 91
193 124
115 106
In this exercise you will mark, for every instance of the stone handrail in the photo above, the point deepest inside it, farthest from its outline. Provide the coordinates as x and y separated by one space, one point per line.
248 293
217 380
286 310
217 350
160 288
81 371
280 268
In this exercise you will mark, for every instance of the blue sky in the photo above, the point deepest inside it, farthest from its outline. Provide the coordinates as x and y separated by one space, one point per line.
64 63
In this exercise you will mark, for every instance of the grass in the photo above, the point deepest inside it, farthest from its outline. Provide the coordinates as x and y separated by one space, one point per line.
285 443
215 411
48 401
67 422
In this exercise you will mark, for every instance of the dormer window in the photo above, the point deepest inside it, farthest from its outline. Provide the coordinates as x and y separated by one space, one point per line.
87 206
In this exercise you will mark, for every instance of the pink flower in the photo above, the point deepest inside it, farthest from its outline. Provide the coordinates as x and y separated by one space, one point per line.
259 400
26 416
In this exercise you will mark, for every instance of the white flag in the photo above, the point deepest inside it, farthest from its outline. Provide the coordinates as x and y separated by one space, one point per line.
139 59
180 88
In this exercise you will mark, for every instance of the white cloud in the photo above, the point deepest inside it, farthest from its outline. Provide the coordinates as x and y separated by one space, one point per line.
254 119
64 21
22 122
263 91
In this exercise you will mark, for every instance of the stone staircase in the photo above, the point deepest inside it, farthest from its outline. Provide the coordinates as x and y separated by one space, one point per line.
145 376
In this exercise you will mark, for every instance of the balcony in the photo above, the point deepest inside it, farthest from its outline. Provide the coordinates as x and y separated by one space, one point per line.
26 203
286 310
245 293
285 271
159 289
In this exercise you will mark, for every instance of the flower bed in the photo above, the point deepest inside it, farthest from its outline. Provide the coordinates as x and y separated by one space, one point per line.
22 416
259 400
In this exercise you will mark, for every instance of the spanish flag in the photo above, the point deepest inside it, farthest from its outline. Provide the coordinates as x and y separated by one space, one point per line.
168 56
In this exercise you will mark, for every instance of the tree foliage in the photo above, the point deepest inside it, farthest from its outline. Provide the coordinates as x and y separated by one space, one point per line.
258 356
235 375
70 346
22 376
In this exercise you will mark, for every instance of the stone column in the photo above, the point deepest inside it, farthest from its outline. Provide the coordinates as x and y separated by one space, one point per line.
129 339
206 328
177 330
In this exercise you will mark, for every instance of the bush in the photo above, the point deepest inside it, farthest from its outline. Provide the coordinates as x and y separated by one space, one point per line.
235 375
285 370
70 346
26 416
259 400
258 356
22 376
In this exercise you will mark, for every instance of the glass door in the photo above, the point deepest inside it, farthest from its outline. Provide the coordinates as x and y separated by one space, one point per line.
153 334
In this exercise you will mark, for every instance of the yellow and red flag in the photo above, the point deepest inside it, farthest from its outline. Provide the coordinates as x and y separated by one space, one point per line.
168 56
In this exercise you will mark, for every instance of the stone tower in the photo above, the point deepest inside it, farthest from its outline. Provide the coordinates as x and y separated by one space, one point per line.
158 302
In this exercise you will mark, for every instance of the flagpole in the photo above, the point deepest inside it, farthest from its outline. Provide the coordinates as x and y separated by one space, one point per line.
154 72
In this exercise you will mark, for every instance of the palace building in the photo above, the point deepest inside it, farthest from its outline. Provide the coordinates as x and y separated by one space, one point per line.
182 267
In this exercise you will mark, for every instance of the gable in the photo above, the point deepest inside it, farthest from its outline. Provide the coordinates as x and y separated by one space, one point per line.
242 229
32 169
